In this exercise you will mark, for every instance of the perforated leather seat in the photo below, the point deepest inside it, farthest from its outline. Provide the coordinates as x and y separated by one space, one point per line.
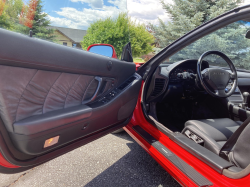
214 132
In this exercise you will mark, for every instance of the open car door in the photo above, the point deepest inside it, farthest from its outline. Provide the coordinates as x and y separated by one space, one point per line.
54 99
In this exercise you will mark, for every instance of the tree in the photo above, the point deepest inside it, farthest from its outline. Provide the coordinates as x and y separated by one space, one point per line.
229 40
35 19
4 23
10 11
187 15
119 32
17 16
13 9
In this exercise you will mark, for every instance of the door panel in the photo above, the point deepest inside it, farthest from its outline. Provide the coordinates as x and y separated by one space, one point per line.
48 90
74 122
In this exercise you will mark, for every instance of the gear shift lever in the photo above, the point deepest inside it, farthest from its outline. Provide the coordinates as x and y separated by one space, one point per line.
246 100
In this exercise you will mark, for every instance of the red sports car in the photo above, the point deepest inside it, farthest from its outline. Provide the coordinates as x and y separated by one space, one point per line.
190 115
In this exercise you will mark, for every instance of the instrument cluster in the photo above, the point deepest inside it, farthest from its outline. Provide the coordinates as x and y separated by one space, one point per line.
173 75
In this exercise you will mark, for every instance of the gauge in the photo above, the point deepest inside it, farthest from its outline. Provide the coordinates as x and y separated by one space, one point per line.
190 71
178 70
174 74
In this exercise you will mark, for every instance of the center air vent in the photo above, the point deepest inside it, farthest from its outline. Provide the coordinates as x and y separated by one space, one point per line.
159 85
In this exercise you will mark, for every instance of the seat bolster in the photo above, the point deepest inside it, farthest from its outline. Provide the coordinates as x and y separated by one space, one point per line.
209 142
239 122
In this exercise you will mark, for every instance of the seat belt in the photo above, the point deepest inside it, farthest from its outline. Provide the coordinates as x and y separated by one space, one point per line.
227 147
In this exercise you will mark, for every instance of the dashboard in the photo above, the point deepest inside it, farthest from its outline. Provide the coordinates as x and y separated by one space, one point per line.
189 66
165 81
166 85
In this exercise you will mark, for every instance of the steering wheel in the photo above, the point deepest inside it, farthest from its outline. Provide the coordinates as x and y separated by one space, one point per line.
215 80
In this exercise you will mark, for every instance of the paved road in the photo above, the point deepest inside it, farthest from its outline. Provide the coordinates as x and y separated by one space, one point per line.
114 160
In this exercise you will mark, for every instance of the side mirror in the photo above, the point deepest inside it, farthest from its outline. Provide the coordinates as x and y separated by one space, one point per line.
103 49
248 34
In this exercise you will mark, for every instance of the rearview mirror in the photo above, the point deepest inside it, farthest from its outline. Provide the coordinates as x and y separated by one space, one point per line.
103 49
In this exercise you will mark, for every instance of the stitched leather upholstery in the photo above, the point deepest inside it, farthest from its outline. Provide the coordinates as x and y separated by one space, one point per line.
214 132
28 92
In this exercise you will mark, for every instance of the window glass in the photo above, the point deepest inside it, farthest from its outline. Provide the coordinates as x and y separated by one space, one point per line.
230 40
72 23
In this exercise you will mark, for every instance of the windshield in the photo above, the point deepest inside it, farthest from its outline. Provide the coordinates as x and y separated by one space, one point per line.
230 40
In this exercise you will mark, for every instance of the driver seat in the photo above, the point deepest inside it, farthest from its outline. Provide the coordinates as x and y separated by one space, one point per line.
214 132
217 132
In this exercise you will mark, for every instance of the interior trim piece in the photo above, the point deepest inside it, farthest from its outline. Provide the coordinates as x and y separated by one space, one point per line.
206 156
243 81
178 162
237 175
99 79
43 122
53 154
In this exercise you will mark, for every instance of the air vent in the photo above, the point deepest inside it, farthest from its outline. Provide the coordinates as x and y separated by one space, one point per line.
159 85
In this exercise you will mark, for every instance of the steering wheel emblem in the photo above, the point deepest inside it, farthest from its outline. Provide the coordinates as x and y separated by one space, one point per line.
219 73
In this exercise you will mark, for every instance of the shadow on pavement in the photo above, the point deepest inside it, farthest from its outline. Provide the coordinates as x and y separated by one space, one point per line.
136 168
124 135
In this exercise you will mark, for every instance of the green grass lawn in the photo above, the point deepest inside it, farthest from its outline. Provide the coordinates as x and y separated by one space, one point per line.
138 59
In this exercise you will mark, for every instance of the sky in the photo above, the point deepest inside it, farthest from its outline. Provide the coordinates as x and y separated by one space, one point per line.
78 14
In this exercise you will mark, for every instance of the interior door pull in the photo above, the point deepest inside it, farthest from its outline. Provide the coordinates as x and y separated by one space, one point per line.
99 79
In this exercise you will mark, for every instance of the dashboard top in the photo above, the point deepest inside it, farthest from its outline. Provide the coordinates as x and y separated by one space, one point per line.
172 70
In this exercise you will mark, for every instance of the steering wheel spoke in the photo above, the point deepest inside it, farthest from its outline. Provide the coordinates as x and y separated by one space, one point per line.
221 93
232 76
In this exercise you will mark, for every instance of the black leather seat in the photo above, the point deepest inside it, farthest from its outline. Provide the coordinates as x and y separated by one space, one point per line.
214 132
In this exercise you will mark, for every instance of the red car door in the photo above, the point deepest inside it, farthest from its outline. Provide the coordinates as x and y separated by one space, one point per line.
54 99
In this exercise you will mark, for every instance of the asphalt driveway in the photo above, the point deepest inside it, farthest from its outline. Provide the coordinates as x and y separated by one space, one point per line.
114 160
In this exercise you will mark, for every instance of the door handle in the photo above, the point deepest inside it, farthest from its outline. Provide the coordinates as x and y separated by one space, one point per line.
99 79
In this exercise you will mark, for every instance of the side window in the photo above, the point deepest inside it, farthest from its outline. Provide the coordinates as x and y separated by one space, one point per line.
65 43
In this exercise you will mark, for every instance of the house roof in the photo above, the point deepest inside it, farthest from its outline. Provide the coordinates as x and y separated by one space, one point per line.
74 34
